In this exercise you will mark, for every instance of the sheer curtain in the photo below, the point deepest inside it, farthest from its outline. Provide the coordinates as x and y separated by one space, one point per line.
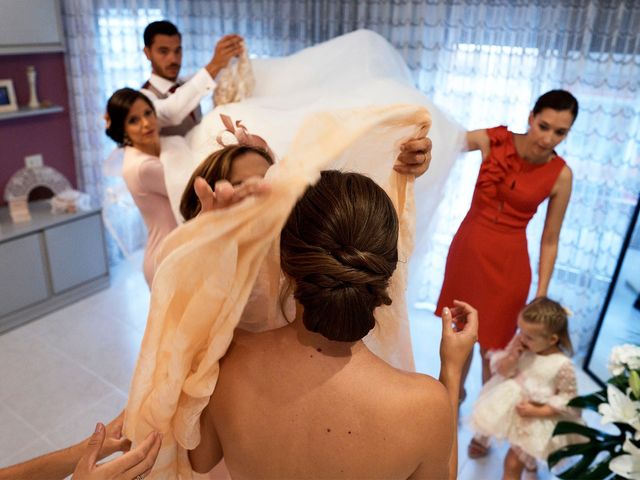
483 61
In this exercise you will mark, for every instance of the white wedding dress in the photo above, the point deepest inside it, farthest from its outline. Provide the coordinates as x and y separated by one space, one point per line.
359 69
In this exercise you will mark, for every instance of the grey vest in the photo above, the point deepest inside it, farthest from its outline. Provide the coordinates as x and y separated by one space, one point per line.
187 124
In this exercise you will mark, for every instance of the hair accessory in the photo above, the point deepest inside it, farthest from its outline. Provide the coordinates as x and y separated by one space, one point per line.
242 135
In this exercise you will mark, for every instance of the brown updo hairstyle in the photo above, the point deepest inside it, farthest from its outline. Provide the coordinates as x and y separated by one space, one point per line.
118 107
339 246
553 317
215 167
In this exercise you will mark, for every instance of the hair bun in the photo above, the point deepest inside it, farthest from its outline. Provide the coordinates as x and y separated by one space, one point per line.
339 255
365 261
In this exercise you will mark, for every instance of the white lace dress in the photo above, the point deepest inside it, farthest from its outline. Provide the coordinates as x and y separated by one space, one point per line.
542 379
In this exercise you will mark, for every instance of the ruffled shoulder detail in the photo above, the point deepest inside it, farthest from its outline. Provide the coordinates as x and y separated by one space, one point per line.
499 135
502 160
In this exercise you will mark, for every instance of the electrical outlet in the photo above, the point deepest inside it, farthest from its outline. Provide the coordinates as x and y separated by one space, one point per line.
33 161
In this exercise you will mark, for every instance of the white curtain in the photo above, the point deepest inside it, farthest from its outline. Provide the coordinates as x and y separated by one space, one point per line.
483 61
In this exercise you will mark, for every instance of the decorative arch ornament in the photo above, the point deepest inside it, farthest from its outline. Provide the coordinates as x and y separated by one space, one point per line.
25 180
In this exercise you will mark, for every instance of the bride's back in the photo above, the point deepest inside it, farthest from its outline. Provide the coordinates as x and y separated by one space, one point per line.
281 409
310 400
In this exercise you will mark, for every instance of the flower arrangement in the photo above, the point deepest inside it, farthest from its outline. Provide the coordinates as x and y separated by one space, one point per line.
607 455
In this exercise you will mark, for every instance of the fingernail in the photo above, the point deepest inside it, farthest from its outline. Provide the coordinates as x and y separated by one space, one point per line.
445 311
98 428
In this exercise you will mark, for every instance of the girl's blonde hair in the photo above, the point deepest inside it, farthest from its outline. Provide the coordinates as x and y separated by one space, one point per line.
553 316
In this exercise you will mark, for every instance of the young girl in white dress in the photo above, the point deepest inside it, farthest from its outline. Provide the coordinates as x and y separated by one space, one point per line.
533 379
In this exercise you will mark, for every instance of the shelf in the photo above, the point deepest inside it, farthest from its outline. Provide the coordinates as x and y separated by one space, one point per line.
30 112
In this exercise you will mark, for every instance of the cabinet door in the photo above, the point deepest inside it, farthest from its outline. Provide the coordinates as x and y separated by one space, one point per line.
30 26
23 278
76 252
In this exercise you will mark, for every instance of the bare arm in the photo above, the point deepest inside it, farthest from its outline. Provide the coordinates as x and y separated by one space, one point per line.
438 436
61 463
227 47
135 464
459 334
208 453
558 201
505 362
54 465
479 140
173 109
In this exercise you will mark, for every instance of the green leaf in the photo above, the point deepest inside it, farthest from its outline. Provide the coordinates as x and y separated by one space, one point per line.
591 433
621 381
586 467
634 383
589 402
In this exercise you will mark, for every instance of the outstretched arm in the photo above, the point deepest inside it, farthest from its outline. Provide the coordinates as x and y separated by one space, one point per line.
173 109
558 201
479 140
135 464
62 463
459 334
227 47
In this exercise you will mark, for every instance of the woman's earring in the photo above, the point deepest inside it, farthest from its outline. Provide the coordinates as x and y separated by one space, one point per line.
127 140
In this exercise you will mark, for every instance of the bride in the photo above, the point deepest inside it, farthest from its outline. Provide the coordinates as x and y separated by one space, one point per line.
346 104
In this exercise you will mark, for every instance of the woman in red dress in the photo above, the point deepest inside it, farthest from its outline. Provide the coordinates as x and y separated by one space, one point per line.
488 263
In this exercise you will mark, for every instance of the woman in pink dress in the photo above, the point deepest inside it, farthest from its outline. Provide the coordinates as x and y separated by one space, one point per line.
132 124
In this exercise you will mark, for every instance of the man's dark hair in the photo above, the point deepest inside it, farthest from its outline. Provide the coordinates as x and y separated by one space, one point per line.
161 27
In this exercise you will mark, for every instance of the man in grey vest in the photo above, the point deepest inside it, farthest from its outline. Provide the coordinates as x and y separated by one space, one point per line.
177 103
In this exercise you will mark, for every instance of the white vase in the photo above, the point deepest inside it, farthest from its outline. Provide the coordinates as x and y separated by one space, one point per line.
33 94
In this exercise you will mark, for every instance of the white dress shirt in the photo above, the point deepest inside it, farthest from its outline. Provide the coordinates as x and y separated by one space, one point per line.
173 109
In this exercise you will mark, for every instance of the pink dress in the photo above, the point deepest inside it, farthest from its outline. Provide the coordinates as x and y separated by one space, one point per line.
144 176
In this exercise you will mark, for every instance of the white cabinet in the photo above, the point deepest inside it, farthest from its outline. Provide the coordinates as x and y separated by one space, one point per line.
49 262
23 276
30 26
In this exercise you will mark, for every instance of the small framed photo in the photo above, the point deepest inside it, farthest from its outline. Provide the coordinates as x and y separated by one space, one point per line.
7 96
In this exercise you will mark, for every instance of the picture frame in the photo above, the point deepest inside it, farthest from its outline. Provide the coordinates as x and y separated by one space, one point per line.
7 96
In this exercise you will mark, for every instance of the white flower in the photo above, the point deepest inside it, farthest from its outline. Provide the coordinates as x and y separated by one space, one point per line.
622 355
620 409
627 466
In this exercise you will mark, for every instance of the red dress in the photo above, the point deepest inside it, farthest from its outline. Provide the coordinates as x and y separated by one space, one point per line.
488 263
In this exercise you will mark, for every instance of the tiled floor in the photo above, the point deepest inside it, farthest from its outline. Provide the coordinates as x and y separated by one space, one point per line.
62 373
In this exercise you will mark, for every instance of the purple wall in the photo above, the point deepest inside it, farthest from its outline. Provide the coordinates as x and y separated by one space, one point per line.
49 135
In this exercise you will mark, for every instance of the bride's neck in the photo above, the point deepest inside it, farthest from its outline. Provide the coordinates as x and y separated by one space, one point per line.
320 342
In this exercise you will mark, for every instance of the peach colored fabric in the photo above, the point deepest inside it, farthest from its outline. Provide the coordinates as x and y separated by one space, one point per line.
209 266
